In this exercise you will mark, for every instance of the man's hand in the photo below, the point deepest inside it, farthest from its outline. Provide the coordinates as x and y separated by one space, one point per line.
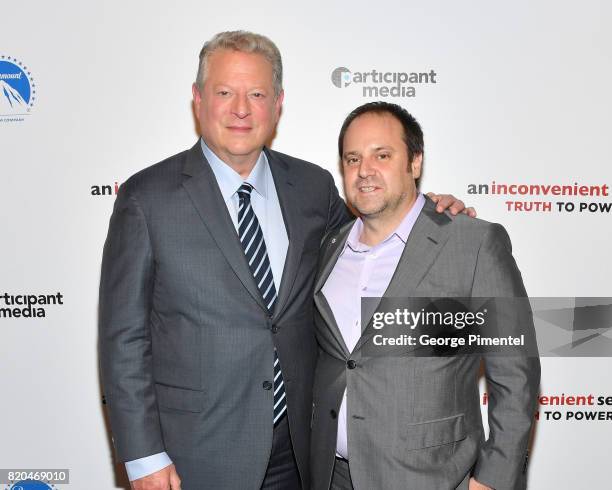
450 202
475 485
164 479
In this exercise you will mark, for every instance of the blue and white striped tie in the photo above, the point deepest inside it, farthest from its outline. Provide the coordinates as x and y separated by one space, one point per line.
252 240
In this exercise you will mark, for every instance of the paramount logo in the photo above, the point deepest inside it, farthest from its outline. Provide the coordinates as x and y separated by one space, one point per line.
379 84
17 90
10 99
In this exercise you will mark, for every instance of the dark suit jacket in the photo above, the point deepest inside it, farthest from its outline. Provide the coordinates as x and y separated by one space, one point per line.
186 342
415 422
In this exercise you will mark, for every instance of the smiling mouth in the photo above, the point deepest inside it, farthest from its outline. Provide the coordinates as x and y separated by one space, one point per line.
367 189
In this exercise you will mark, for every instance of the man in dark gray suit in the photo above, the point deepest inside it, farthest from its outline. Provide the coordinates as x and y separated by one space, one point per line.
207 349
387 421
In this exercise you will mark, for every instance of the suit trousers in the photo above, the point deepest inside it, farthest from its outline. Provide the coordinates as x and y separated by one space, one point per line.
282 472
341 478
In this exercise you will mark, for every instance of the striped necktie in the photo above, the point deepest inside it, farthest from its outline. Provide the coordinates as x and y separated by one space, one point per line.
252 240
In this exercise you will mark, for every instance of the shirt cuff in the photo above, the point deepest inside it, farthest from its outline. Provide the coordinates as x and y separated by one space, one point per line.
147 465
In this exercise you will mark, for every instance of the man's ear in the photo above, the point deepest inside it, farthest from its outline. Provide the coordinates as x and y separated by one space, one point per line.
416 164
278 103
197 97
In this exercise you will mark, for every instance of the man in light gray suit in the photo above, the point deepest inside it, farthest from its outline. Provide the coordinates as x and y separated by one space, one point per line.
388 421
207 347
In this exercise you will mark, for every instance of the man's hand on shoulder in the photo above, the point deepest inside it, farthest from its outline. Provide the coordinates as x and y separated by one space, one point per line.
450 202
164 479
476 485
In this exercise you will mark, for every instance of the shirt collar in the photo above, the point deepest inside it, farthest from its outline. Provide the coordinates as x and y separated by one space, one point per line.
402 231
230 181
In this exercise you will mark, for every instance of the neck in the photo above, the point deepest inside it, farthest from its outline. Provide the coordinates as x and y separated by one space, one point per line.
241 164
242 167
378 227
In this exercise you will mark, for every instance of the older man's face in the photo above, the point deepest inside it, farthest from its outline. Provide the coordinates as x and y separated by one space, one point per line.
237 108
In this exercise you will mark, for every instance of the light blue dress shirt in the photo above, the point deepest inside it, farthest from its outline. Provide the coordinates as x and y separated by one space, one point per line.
266 206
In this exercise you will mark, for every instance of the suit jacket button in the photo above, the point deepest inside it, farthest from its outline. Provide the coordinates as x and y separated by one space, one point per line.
333 414
267 385
351 364
274 329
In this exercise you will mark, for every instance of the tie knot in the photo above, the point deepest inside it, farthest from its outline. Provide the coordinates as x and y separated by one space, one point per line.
244 192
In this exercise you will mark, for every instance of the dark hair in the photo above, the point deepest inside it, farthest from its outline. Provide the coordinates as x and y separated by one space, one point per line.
413 134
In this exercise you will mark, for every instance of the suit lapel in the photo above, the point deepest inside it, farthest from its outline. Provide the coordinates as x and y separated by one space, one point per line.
294 224
427 238
329 257
206 197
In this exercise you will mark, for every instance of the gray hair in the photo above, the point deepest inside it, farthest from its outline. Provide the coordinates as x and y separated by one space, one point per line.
246 42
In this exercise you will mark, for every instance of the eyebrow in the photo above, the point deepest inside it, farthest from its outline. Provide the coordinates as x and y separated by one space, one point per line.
378 148
219 85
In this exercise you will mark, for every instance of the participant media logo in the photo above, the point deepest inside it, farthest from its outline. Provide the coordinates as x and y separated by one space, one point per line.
28 305
17 90
382 84
341 77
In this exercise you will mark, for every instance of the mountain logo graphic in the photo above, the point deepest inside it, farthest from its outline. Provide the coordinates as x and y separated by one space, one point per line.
17 88
31 485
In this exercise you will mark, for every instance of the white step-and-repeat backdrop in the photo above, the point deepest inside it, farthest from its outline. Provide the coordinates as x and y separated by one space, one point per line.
515 103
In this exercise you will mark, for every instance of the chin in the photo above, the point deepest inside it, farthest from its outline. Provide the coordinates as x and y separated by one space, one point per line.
369 211
243 149
369 208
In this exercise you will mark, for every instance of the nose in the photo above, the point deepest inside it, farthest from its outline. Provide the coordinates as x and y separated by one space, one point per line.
366 169
240 106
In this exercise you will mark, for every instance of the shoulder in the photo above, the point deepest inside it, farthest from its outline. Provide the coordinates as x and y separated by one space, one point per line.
485 233
156 178
460 225
302 168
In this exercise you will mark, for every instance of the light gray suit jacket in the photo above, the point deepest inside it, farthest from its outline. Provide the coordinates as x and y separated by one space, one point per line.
415 422
186 343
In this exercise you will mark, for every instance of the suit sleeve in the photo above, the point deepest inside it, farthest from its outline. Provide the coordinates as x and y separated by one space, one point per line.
338 213
124 337
512 381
